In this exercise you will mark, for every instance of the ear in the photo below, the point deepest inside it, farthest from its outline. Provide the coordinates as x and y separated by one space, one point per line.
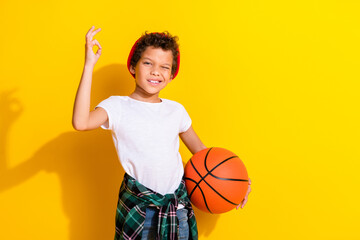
132 69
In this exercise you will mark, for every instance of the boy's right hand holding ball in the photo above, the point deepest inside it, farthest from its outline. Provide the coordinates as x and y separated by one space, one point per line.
91 57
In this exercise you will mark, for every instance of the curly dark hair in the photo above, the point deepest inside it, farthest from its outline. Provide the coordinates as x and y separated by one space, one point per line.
162 40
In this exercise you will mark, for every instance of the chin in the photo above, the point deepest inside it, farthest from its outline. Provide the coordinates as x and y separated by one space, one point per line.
151 92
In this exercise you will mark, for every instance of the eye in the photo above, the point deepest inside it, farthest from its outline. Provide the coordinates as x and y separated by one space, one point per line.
166 67
147 63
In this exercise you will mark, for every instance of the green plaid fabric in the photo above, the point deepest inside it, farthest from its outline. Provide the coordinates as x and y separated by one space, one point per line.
134 198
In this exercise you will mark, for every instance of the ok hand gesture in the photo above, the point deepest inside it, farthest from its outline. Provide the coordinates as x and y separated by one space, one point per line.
90 57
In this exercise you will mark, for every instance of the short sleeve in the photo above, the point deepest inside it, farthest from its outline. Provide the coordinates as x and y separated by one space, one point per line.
112 108
186 120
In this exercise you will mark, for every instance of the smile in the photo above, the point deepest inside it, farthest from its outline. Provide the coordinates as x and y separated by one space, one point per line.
154 82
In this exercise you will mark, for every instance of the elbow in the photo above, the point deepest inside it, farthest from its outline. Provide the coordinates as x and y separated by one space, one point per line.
78 127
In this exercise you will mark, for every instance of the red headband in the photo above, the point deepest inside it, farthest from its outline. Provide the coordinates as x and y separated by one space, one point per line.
132 53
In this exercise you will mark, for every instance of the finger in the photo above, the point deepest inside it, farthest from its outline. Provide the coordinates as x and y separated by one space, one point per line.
95 42
249 181
89 32
246 197
244 202
95 32
98 52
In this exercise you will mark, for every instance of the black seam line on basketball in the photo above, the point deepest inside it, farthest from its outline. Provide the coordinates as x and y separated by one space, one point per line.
219 193
197 184
186 178
202 193
230 179
209 172
202 178
192 181
227 179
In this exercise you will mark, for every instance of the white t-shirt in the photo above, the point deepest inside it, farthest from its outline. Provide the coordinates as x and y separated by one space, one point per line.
146 138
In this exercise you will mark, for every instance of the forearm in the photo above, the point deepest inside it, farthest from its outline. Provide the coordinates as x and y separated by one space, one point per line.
198 148
82 100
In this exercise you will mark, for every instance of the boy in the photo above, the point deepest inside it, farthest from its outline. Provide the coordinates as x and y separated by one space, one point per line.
145 128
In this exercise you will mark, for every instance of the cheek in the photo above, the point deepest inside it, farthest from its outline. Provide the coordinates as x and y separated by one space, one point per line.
141 70
167 73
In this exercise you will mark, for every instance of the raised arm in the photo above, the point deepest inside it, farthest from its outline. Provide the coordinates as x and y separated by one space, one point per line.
82 118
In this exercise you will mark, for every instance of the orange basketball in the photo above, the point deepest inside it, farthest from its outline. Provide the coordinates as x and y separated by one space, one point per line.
216 180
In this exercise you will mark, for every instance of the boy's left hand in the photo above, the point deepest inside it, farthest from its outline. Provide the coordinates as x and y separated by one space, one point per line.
242 204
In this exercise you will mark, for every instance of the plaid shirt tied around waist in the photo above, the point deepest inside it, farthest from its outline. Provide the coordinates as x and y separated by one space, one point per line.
134 198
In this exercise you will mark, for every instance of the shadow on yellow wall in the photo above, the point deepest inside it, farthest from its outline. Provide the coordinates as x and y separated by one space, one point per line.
86 163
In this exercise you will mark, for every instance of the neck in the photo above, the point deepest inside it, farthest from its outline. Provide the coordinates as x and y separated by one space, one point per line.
138 95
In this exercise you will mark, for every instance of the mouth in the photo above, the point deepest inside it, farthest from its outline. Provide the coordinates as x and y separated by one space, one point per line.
154 82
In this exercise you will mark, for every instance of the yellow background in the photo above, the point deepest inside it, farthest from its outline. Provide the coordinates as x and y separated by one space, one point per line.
276 82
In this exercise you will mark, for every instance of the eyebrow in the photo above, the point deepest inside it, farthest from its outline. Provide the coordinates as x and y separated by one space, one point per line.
162 64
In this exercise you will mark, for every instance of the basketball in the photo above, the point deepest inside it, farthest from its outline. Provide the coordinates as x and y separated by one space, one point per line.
216 180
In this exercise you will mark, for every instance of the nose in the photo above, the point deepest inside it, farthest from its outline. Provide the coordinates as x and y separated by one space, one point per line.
155 71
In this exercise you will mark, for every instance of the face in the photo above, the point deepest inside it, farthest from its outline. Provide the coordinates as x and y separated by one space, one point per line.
153 71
